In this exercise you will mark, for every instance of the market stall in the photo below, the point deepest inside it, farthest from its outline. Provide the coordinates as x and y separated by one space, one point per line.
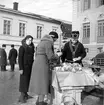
68 82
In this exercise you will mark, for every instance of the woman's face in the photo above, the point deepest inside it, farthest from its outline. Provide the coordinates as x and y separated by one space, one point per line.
29 41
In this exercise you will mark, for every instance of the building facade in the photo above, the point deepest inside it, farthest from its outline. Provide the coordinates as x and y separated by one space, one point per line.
15 25
88 18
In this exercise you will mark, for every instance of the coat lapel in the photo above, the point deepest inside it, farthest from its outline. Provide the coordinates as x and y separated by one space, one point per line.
71 48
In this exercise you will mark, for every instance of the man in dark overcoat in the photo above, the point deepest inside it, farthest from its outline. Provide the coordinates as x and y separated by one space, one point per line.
25 60
3 58
12 57
73 51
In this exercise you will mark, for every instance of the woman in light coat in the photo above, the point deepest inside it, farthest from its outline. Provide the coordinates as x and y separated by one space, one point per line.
39 83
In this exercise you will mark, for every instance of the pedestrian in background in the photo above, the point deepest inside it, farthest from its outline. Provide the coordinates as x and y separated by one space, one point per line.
40 77
12 57
25 60
3 58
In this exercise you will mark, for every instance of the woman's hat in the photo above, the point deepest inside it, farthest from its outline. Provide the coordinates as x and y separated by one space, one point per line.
28 36
53 34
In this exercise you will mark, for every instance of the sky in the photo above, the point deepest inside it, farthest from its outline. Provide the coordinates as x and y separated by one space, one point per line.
58 9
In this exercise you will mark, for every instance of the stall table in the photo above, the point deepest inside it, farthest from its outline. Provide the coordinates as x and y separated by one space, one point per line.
70 85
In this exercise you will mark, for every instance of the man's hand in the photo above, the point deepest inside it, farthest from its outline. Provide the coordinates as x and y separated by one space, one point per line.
59 54
79 58
76 59
21 71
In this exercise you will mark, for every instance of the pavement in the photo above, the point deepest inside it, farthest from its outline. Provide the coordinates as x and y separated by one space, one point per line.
9 85
9 93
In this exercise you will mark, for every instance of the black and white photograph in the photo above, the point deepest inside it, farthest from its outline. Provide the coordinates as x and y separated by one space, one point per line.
51 52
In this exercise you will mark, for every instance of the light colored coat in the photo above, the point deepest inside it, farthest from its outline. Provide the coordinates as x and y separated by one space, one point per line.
39 83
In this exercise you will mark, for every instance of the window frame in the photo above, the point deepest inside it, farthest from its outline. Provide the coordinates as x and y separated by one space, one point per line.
7 25
86 4
54 28
86 26
22 29
39 31
101 2
100 24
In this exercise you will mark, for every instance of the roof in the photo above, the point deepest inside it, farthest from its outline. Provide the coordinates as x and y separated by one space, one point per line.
30 15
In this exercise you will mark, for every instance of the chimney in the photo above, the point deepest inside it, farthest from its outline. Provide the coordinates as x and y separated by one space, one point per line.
15 5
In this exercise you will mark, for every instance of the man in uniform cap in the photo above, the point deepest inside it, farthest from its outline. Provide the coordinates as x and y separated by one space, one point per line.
3 58
74 50
12 57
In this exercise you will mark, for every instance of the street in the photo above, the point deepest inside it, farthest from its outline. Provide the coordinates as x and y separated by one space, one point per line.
9 84
9 93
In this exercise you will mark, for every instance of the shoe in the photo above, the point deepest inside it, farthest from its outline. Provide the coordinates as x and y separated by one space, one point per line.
4 70
37 103
22 98
22 101
44 103
11 70
40 103
28 97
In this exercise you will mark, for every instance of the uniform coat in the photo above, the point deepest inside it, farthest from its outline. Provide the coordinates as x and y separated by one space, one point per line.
25 60
12 56
67 53
3 57
39 83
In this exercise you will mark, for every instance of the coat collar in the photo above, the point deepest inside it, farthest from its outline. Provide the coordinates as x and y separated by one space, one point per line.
47 38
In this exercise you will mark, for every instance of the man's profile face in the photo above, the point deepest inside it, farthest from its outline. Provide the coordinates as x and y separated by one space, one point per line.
54 39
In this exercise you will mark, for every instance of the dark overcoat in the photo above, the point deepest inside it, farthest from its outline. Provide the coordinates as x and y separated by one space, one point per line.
25 60
67 53
39 83
3 57
12 56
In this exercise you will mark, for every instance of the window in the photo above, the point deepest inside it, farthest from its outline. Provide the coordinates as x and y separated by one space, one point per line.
79 5
87 4
101 28
39 32
86 30
101 2
54 28
22 27
7 27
